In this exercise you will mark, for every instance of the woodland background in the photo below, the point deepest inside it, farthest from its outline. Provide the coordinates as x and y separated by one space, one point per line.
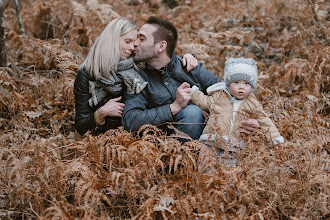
46 173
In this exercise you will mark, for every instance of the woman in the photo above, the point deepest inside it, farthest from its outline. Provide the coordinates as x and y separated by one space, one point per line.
106 73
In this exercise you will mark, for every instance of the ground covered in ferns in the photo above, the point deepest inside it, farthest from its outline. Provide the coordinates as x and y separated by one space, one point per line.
46 173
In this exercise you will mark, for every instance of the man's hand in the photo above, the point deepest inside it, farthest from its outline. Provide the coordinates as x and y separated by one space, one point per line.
182 98
249 126
190 61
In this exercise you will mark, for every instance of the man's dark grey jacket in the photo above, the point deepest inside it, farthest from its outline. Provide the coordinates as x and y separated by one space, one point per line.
152 105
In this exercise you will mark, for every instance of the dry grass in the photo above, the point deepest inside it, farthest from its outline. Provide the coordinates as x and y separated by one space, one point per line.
47 174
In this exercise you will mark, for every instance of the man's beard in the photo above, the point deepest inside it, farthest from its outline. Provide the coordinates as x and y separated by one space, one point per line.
144 57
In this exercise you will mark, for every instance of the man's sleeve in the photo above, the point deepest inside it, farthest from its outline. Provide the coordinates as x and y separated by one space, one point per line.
204 77
136 112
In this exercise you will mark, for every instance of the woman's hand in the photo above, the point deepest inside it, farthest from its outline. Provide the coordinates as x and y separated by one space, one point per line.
190 61
249 126
112 108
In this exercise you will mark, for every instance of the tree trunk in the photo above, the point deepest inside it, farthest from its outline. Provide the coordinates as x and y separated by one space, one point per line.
19 18
3 59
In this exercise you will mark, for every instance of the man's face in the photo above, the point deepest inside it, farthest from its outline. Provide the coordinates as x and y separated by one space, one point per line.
145 47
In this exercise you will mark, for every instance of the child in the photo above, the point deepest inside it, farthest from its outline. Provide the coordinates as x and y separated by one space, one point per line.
230 102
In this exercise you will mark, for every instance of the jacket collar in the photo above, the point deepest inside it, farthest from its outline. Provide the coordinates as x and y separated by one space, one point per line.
166 69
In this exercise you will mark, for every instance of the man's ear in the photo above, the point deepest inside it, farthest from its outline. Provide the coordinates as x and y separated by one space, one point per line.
162 46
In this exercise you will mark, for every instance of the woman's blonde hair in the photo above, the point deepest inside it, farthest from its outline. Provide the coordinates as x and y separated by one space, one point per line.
105 53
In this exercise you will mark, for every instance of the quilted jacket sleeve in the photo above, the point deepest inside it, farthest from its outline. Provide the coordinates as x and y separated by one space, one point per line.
84 119
200 99
267 125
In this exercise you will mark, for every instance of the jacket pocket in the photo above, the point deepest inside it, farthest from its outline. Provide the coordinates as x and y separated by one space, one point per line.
160 98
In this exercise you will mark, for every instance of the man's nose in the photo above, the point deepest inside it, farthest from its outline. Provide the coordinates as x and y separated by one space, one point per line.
136 43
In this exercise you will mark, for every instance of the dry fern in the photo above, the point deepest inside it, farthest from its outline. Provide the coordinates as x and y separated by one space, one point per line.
47 174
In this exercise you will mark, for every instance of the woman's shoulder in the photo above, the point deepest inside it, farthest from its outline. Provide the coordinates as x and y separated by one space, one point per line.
82 71
82 78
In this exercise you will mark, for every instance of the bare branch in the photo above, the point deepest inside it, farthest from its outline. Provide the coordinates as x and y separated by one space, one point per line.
19 18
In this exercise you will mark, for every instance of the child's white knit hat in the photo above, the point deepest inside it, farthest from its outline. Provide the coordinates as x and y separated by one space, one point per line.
241 69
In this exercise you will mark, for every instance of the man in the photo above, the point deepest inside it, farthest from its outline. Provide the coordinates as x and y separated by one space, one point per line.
167 95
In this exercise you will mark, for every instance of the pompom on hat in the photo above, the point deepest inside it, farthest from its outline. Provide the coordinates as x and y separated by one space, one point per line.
241 69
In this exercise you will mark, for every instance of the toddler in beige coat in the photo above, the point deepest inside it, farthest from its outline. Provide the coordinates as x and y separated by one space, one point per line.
231 102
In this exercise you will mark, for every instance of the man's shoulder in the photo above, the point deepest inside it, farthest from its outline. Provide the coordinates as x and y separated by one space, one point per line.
178 58
176 63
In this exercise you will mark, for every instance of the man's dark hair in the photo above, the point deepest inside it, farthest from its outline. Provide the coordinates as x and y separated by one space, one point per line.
165 31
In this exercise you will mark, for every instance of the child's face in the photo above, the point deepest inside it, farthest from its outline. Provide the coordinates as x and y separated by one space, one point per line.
240 89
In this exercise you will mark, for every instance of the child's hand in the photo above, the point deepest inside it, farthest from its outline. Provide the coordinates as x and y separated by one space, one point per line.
249 126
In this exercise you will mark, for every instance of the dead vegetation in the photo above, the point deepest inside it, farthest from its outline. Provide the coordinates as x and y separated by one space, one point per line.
47 174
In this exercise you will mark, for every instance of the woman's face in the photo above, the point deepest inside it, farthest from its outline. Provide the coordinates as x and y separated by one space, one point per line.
127 43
